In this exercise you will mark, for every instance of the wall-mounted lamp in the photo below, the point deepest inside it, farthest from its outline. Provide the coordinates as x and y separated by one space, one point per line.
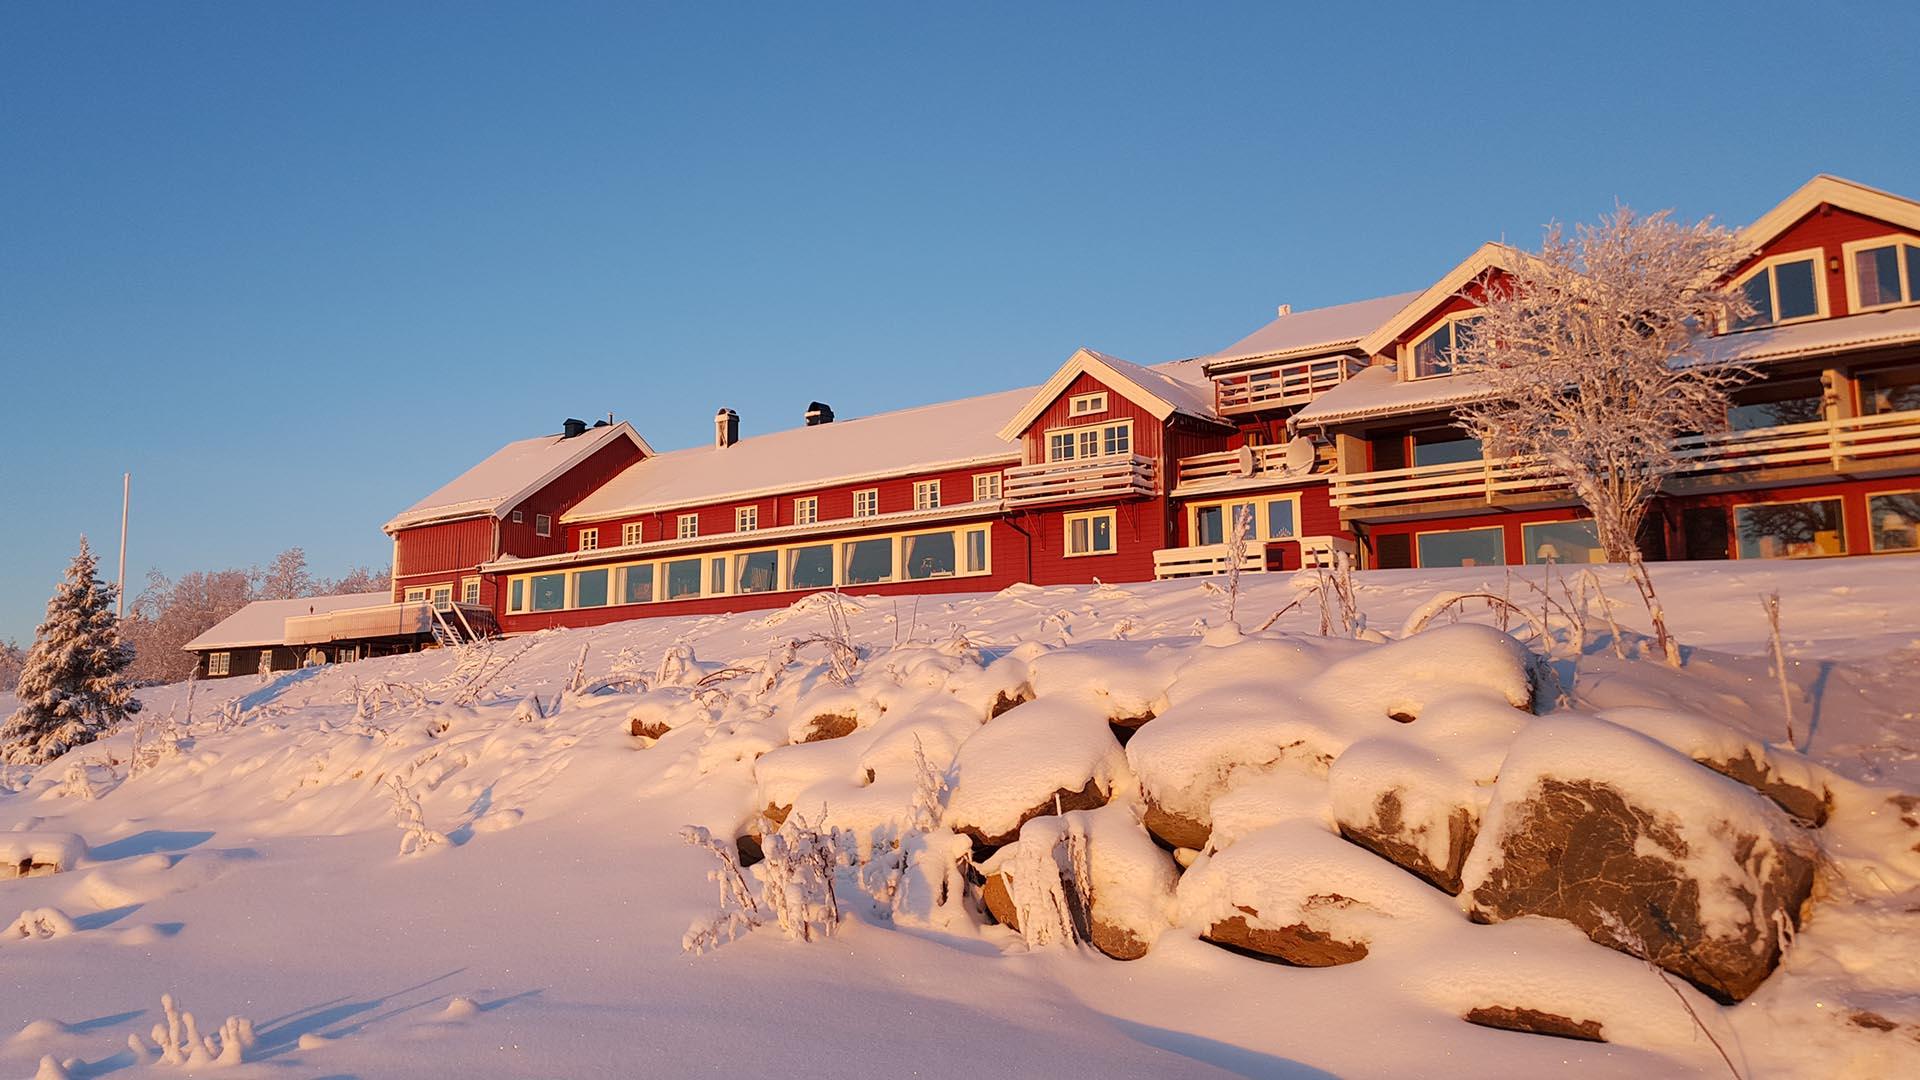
1833 264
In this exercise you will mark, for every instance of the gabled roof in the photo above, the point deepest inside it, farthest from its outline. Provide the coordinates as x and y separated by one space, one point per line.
510 474
1488 256
1179 387
1833 190
1379 391
951 434
264 622
1307 333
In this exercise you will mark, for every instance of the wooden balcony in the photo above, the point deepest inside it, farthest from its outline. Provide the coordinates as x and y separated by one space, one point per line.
1227 468
1088 478
1838 444
1273 386
1204 559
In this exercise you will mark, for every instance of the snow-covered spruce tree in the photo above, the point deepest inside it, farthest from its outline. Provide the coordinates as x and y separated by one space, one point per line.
73 688
1593 355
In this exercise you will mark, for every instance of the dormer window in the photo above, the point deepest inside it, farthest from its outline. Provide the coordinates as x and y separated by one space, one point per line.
1885 272
1087 404
1784 289
1434 354
589 539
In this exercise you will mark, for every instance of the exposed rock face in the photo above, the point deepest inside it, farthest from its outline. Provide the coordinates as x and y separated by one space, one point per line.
1388 835
1534 1022
1004 701
829 726
1297 943
1175 829
1579 850
648 729
1060 801
999 901
1808 805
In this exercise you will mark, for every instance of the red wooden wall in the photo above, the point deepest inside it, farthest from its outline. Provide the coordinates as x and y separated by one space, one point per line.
1827 228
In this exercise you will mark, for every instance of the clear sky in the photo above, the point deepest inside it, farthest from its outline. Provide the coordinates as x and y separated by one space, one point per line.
295 265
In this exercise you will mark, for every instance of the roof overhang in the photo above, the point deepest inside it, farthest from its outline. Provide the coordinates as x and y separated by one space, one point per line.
1086 361
1834 191
1488 256
499 508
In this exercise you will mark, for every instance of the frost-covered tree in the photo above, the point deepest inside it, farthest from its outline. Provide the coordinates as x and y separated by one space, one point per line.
1594 355
73 687
12 657
286 577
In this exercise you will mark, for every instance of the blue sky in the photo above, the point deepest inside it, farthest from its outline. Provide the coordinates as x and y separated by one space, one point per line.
296 265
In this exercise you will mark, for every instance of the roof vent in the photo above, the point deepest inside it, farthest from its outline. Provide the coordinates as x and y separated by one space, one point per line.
1283 311
726 428
819 412
573 428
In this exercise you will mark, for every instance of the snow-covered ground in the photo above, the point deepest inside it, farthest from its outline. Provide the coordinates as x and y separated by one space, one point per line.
253 870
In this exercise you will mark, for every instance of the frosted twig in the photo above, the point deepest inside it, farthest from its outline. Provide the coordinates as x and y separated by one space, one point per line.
1770 603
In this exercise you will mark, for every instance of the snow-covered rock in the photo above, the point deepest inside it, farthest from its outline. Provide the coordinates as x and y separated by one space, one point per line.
1131 880
1051 754
28 854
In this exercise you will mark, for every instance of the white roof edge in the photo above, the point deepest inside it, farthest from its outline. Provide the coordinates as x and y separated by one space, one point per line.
499 507
1488 256
1096 363
572 517
1838 191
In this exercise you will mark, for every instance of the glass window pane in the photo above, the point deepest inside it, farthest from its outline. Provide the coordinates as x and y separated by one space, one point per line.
1119 440
1443 446
977 551
518 591
1280 519
549 592
1775 404
1089 444
717 575
1561 542
1060 447
757 571
683 578
1209 525
928 555
1434 353
590 588
867 562
1078 532
1103 533
1876 273
638 586
1468 547
1895 389
810 567
1759 290
1247 517
1895 521
1790 530
1913 272
1794 283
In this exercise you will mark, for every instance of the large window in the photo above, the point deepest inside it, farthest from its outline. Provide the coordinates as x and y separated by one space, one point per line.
756 571
977 551
866 562
1885 273
442 597
636 584
927 555
810 567
219 663
1890 389
683 578
926 494
1776 404
1790 530
1462 547
470 590
1434 354
590 588
1785 289
1264 519
1894 519
1099 440
1090 533
1443 446
549 592
1561 542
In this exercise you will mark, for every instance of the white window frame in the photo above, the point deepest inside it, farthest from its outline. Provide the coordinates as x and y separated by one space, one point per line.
1261 517
746 518
631 533
1078 434
219 663
1409 368
686 526
589 539
1818 256
470 590
986 487
1092 404
1909 287
1067 521
926 494
866 503
543 524
518 517
806 510
416 595
441 602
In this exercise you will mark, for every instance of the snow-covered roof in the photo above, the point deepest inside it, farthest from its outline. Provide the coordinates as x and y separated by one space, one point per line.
951 434
1181 386
1872 330
1379 391
264 622
1304 333
510 474
1491 255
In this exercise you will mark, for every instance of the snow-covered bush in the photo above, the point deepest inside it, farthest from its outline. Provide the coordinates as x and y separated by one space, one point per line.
737 911
799 869
415 837
180 1042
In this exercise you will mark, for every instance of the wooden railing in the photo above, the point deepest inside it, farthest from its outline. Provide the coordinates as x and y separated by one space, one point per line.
1837 443
1293 382
1203 559
1268 461
1085 478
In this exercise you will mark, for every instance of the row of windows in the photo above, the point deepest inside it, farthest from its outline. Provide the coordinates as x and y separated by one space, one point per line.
1274 518
1881 273
918 556
442 595
1092 441
806 511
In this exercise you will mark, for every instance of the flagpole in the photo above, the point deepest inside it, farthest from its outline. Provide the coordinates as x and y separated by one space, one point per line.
126 497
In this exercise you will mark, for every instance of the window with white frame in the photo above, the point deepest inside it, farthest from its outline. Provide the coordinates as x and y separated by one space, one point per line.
866 503
542 525
1274 518
219 663
589 539
686 526
442 596
1434 354
416 596
746 518
470 590
806 511
986 486
1094 441
1883 272
1087 404
926 494
1090 533
630 534
518 517
1784 289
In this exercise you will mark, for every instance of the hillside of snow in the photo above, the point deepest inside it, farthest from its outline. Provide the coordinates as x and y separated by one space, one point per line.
467 863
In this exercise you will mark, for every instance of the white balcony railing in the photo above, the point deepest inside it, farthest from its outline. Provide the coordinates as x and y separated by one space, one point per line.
1275 385
1256 462
1203 559
1839 444
1087 478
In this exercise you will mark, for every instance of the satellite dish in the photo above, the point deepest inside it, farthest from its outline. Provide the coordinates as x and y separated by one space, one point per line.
1244 461
1300 454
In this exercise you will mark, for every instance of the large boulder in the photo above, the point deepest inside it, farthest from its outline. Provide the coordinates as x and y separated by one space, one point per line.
1129 894
1051 755
1791 780
1645 851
